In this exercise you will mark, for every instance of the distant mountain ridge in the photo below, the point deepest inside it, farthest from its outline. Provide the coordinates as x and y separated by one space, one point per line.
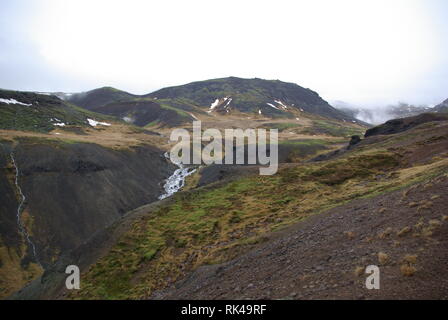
99 97
271 98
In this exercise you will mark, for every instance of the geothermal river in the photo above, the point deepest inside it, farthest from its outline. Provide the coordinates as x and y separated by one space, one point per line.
177 180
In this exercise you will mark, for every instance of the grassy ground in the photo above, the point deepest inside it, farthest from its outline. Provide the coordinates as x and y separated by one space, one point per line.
40 118
333 128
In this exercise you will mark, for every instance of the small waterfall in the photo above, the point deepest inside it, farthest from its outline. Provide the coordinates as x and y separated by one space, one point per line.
20 208
177 180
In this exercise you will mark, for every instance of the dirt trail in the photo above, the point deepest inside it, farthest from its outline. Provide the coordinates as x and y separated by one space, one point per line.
319 258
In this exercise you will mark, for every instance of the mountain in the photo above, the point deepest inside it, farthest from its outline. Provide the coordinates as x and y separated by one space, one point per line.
443 107
403 124
131 108
380 202
268 97
41 113
381 114
98 97
146 112
174 106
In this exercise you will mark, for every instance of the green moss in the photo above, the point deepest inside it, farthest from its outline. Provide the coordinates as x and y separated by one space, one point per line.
39 116
333 128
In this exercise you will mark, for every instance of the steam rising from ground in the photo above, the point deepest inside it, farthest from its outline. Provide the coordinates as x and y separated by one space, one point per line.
381 114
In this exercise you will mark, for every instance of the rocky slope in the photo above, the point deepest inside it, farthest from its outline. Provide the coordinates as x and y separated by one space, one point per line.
399 125
325 256
72 191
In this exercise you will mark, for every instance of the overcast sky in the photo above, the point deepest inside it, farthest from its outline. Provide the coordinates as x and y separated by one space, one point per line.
359 51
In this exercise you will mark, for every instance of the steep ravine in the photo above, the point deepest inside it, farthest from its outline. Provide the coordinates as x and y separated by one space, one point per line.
177 180
20 207
56 195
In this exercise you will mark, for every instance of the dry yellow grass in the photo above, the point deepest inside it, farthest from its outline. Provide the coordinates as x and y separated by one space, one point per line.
434 223
385 233
407 270
427 186
410 258
369 239
383 258
419 224
359 271
396 243
116 136
13 275
404 231
427 232
349 234
425 204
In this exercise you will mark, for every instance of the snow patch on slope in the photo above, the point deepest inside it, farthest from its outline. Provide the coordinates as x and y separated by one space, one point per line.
214 104
217 102
14 101
95 123
281 104
271 105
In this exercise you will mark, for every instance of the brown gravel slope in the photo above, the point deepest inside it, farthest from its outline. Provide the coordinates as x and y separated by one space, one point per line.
324 257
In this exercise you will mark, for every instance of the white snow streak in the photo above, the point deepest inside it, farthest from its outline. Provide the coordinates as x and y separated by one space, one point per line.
14 101
95 123
271 105
281 103
214 104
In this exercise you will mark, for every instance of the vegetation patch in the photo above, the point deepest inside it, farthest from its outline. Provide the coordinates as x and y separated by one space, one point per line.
332 128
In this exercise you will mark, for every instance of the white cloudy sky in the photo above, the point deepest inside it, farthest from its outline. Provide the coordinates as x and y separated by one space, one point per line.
362 51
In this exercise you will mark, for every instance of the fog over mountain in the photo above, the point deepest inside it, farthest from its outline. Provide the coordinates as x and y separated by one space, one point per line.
381 113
